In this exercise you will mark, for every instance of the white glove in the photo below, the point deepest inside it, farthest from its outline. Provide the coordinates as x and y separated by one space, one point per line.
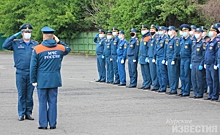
56 38
166 63
134 60
34 84
173 63
122 61
110 59
163 61
215 67
205 66
153 60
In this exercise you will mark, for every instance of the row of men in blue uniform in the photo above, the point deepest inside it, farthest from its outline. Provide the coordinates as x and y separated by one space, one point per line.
164 57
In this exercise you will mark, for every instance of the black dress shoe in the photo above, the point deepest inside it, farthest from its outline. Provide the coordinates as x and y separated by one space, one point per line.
97 81
214 99
192 97
131 87
141 87
42 127
122 85
160 91
20 118
146 88
199 97
171 93
180 94
102 81
53 127
116 83
154 89
29 117
184 95
207 98
109 82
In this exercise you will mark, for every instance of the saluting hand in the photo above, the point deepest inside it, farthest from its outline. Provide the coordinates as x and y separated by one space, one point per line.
56 38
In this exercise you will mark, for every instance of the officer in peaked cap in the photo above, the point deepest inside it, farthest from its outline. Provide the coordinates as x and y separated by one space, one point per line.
185 57
108 57
210 63
122 54
152 58
47 56
132 53
160 51
114 55
22 49
197 62
172 58
100 41
143 57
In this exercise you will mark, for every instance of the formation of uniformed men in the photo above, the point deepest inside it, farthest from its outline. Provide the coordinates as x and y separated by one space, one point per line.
164 58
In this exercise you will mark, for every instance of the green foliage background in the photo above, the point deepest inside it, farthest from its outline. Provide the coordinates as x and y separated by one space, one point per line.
69 17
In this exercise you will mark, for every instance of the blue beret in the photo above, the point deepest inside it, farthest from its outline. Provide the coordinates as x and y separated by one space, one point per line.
121 32
214 28
199 30
114 29
109 32
101 30
162 28
47 30
204 28
171 28
133 30
143 26
154 27
26 26
193 27
184 27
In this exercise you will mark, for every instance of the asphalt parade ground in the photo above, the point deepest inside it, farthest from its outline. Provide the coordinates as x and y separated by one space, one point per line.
86 107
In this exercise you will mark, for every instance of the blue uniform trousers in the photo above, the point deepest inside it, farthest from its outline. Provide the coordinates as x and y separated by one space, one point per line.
101 68
115 69
109 67
197 77
121 71
185 76
145 71
173 75
153 74
162 75
47 106
212 81
25 93
132 68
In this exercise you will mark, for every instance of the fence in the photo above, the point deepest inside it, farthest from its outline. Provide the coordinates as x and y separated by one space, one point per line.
83 43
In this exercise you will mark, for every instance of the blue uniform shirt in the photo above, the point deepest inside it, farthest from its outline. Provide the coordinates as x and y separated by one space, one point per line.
107 47
211 51
22 52
133 48
114 46
152 47
173 48
198 52
122 48
186 48
161 44
144 48
100 43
